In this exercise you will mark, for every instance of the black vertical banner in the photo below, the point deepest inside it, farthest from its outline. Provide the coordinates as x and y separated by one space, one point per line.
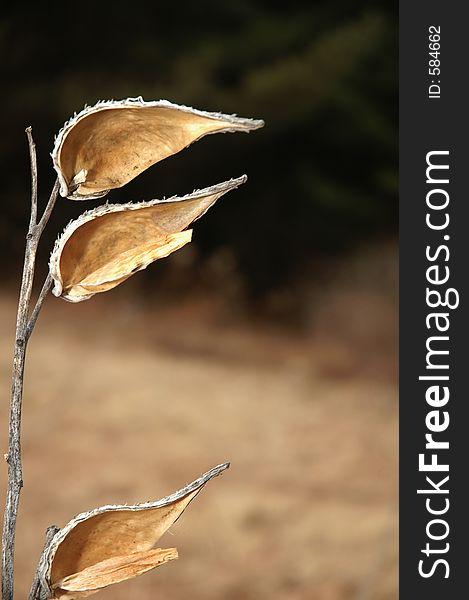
434 274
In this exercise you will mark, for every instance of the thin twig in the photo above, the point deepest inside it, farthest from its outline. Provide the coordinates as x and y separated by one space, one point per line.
37 309
13 457
33 161
48 210
37 591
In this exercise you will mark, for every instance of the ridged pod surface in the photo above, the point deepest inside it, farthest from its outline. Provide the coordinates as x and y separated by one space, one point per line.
106 245
113 543
107 145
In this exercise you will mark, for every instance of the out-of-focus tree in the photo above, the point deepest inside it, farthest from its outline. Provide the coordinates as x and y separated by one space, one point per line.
323 75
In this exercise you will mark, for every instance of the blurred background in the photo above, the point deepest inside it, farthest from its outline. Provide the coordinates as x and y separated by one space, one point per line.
270 341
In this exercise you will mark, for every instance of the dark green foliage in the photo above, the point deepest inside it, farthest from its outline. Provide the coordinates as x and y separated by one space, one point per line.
323 75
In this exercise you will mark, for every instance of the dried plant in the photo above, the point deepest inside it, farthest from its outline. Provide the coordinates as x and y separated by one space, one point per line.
108 244
102 148
107 145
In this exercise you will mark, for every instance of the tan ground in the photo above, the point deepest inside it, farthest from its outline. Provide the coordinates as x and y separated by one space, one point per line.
125 403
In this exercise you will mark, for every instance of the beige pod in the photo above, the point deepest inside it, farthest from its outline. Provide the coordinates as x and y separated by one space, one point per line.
113 543
107 145
106 245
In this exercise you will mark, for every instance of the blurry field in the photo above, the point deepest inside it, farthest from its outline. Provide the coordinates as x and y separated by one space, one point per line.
126 402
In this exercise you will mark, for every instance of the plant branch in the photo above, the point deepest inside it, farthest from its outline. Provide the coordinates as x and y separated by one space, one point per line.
33 160
37 309
48 210
24 326
37 589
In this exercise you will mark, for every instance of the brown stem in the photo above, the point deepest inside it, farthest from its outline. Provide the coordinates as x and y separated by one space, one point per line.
23 330
33 161
37 588
48 210
37 309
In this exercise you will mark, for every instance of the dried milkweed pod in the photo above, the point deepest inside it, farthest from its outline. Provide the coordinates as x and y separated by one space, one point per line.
112 543
106 245
107 145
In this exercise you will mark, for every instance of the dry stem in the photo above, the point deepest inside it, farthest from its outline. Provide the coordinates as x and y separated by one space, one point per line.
24 326
37 588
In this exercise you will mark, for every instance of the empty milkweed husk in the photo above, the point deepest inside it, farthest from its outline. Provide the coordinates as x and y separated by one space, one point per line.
107 145
112 543
106 245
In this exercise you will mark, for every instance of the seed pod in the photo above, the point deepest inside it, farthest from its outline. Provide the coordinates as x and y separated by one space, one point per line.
106 245
113 543
107 145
